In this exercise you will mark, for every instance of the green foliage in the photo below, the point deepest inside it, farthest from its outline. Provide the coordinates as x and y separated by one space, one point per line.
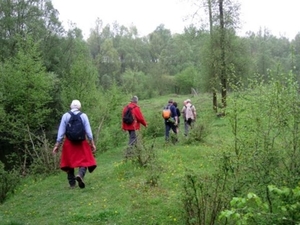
20 19
201 127
155 126
9 181
186 80
264 122
197 134
81 81
158 41
143 154
160 84
177 55
178 184
106 119
266 126
40 75
26 93
108 64
42 160
203 197
282 207
2 112
138 83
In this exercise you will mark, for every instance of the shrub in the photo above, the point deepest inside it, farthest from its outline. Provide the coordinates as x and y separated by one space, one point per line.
144 155
40 155
9 181
198 133
203 198
281 207
155 126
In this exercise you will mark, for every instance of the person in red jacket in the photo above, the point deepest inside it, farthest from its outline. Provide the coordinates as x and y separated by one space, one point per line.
131 128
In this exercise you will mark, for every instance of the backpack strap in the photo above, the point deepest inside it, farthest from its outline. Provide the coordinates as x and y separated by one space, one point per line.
193 110
169 107
71 113
131 108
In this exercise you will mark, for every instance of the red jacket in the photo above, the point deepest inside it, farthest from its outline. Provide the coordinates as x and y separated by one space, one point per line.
138 118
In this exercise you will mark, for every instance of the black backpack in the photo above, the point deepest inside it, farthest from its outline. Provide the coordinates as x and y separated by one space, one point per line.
75 129
128 117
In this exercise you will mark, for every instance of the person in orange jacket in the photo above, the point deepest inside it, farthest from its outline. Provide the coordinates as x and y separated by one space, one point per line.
131 128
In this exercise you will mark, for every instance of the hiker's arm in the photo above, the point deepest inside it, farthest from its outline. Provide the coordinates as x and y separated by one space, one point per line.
61 132
139 116
87 126
93 146
194 112
88 131
62 127
55 148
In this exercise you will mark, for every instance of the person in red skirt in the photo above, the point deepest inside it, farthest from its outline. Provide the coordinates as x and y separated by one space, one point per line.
76 154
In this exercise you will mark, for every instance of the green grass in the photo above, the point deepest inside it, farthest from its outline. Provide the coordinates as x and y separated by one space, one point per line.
119 192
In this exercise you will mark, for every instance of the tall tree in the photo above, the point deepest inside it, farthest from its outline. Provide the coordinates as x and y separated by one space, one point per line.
223 20
26 96
105 55
296 55
212 73
177 56
20 18
223 75
81 80
158 41
108 64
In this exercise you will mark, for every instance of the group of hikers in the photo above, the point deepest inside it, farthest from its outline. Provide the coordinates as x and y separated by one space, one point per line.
171 115
76 137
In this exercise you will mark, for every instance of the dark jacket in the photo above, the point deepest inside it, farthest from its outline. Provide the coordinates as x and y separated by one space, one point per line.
173 113
178 114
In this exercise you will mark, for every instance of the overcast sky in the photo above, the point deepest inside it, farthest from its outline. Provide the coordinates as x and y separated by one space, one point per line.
281 17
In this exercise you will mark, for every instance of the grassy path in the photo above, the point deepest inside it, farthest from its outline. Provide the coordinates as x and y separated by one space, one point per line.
117 192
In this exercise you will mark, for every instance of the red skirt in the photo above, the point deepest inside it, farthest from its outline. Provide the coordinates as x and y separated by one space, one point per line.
77 155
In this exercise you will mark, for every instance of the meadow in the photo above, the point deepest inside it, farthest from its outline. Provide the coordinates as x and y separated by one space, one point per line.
118 191
229 170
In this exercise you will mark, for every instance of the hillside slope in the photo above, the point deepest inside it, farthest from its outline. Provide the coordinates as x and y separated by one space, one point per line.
118 191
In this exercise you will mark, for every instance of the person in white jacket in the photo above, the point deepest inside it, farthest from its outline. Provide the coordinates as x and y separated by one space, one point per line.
189 114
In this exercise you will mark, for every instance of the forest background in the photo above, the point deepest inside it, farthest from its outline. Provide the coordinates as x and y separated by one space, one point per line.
44 67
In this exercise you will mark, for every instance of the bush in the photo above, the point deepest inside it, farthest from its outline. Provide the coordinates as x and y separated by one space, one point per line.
282 207
111 137
155 126
39 153
9 181
197 134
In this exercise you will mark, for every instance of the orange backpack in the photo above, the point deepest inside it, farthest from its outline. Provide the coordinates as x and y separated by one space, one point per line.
166 113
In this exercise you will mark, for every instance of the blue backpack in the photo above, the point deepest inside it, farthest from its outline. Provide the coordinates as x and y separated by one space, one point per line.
75 130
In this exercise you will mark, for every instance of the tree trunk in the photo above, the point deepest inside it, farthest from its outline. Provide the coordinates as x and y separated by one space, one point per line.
212 71
223 62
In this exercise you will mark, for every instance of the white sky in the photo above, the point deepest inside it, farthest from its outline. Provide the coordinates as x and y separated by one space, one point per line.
280 17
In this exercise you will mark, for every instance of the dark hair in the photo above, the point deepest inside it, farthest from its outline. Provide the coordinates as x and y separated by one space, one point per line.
175 104
170 101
